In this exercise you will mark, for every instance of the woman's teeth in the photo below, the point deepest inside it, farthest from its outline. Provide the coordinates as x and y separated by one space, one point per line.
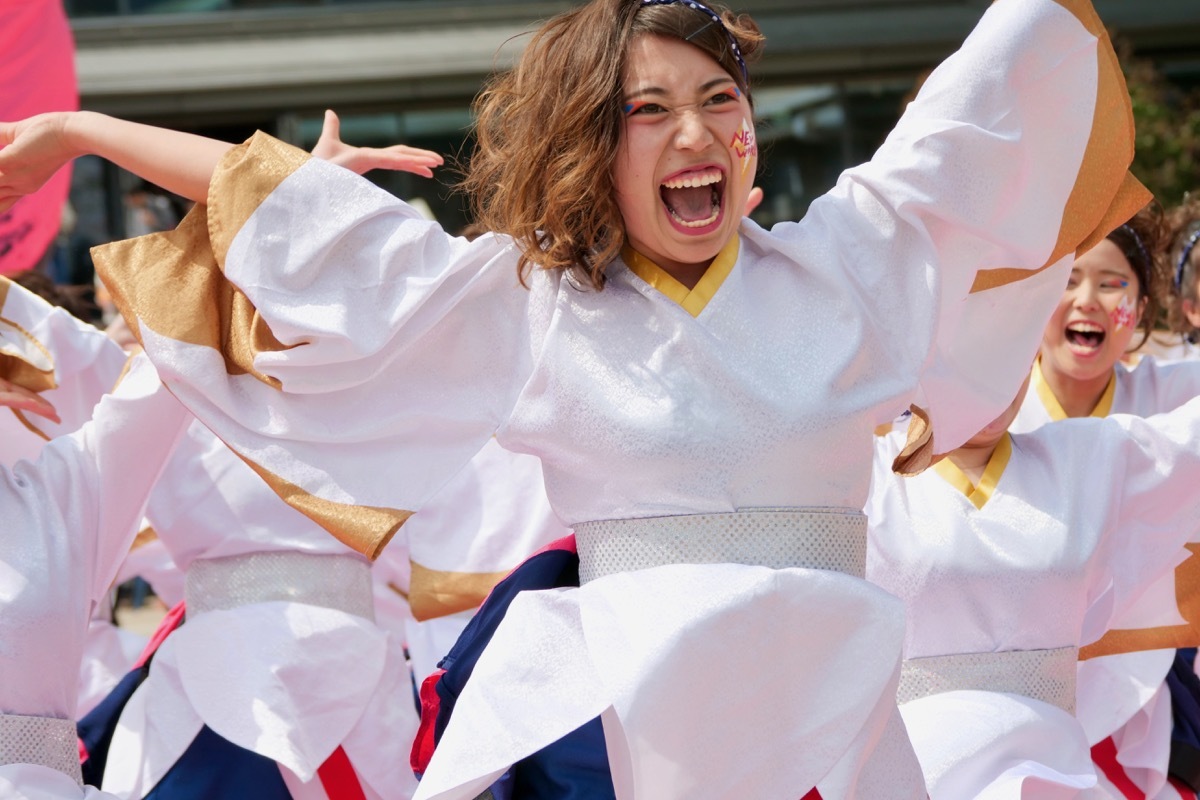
1085 334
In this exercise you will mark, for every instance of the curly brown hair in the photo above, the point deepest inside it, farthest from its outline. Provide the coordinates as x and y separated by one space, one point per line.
547 131
1142 241
1183 223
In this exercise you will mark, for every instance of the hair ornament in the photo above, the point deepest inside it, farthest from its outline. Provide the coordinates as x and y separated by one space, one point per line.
1142 251
714 17
1184 256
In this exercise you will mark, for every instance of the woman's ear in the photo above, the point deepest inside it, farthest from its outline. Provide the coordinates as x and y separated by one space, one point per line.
1191 310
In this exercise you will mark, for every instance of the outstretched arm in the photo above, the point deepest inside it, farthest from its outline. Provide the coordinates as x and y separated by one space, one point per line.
35 148
32 150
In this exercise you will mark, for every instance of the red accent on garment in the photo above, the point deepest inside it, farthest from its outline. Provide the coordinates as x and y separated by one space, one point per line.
37 74
1104 755
1181 787
339 778
431 703
170 622
812 795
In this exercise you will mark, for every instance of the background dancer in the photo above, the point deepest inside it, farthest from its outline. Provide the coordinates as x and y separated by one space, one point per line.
1114 291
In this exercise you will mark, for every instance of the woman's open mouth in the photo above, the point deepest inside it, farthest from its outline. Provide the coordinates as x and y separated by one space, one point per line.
694 199
1084 338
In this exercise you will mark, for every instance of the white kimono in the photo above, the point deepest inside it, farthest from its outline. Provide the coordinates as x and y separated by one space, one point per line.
69 518
1125 696
86 365
488 519
273 656
1067 527
363 356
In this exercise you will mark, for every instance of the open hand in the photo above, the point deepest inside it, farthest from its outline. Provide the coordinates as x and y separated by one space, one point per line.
31 151
400 157
22 399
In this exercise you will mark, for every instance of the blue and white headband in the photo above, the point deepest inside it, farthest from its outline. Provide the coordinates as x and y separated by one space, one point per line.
703 9
1184 256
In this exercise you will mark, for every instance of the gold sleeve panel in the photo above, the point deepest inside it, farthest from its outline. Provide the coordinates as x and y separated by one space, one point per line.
1106 194
366 529
172 283
433 593
23 359
917 455
1166 637
243 179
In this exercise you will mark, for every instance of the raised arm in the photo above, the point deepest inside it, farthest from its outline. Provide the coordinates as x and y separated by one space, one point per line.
955 239
32 150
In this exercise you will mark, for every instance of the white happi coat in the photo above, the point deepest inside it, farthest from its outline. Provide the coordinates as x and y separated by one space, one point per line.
69 518
1067 527
364 356
1125 696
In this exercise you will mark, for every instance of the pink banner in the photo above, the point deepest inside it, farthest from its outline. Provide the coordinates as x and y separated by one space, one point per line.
37 74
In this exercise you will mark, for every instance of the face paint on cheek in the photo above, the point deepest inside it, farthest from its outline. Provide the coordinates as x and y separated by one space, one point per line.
744 145
1125 314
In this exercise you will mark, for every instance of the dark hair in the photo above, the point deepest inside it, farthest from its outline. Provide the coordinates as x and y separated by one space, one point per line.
72 299
1142 240
560 109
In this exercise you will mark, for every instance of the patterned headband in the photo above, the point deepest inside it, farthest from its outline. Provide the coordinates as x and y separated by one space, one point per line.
1145 254
1183 258
715 17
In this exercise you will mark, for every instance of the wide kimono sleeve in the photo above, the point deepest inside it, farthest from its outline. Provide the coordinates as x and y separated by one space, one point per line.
94 483
1152 507
353 353
956 239
69 362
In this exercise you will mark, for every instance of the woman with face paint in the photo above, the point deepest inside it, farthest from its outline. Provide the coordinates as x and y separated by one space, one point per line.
1113 292
701 391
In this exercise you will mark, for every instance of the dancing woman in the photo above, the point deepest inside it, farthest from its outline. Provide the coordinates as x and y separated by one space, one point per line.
701 391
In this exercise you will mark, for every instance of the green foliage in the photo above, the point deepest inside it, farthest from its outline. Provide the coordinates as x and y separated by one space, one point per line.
1168 131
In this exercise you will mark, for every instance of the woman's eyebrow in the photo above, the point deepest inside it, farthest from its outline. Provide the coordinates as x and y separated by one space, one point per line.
661 92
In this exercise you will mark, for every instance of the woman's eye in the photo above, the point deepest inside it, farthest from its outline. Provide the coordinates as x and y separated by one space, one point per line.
1118 285
642 108
727 96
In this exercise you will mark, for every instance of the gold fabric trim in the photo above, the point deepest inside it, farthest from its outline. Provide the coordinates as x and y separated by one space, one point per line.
693 300
1165 637
366 529
1054 407
17 369
436 593
1105 194
978 495
173 282
917 455
144 537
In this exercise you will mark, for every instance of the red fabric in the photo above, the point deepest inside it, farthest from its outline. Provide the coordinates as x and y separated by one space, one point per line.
170 622
339 779
422 749
1104 755
37 74
1181 787
813 795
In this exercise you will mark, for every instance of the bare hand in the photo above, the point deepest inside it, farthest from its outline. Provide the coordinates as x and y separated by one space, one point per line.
22 399
400 157
31 151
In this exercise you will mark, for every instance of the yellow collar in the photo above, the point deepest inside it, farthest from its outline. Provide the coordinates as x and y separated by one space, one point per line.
978 495
1054 408
694 300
